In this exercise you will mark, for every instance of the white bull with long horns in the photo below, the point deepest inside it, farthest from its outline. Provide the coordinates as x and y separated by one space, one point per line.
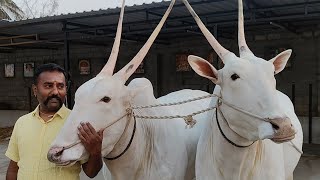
133 148
254 134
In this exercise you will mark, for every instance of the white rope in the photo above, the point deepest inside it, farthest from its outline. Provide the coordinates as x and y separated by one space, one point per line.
296 147
241 110
189 120
128 113
176 103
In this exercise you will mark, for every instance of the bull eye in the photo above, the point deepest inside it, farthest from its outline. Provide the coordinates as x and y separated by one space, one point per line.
234 76
106 99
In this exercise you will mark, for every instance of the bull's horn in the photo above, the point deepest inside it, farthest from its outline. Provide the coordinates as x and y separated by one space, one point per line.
220 50
243 47
109 67
129 69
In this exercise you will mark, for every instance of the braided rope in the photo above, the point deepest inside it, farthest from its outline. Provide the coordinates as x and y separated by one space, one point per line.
175 116
189 120
128 113
175 103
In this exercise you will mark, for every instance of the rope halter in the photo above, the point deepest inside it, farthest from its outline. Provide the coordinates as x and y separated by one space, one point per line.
188 119
221 101
128 113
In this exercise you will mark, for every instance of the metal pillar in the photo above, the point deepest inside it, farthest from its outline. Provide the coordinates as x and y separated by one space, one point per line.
293 94
310 113
67 64
317 83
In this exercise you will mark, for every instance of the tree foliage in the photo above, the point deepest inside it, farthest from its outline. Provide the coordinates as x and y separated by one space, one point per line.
10 11
39 8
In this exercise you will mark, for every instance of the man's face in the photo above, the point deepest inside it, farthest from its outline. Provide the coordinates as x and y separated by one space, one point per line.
50 90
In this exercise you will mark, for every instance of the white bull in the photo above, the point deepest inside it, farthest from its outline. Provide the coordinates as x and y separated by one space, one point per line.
133 148
250 135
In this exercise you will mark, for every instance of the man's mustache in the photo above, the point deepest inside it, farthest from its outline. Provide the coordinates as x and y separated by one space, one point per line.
51 97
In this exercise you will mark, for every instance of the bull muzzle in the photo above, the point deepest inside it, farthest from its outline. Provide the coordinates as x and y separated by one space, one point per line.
284 131
54 154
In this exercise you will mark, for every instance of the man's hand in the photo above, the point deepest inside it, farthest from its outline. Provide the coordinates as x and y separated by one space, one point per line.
92 141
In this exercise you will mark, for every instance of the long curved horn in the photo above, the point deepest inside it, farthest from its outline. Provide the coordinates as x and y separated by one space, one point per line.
109 67
220 50
243 47
129 69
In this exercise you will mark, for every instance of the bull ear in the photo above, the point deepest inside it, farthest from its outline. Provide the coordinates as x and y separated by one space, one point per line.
281 60
203 68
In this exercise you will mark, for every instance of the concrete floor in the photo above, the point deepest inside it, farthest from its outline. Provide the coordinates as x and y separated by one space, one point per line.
4 161
307 169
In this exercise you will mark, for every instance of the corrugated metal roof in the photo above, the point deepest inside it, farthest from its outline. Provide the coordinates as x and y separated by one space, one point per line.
140 20
98 11
215 6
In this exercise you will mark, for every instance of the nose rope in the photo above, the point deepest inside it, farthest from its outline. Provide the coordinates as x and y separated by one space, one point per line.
220 101
296 147
223 134
188 118
128 112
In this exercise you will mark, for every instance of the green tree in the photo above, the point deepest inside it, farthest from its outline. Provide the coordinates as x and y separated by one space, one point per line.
9 10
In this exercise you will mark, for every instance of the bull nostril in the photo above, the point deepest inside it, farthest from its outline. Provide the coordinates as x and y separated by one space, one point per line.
54 154
276 127
283 129
59 152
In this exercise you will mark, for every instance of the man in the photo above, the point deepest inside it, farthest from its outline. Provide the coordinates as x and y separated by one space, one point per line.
34 132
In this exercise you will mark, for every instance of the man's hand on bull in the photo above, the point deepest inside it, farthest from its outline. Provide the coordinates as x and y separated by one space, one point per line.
91 139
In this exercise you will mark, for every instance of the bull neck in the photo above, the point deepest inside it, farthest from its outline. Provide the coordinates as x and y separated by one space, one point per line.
142 152
226 156
124 142
225 130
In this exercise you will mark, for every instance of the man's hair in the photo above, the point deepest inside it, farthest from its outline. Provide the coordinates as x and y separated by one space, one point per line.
50 67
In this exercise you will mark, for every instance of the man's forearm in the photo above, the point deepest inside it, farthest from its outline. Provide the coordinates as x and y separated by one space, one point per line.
11 175
12 171
93 166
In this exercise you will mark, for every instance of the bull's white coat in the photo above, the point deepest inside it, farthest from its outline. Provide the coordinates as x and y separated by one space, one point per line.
248 83
160 149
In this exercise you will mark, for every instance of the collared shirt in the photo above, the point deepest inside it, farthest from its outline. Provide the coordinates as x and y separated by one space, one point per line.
29 145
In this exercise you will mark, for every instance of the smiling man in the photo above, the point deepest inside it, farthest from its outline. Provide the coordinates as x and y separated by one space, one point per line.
34 132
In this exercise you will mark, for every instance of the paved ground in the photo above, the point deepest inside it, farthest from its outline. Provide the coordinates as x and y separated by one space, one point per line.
307 169
4 164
